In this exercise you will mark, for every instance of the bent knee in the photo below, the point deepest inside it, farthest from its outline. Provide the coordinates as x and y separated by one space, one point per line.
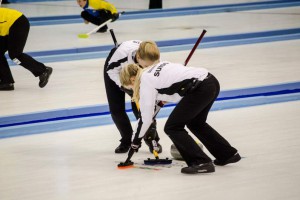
14 56
170 129
16 60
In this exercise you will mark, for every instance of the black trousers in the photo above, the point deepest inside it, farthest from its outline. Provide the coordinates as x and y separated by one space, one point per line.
116 102
104 16
153 4
14 43
192 112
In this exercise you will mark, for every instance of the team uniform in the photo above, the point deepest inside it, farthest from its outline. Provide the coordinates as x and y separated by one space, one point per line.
99 11
14 29
196 90
118 58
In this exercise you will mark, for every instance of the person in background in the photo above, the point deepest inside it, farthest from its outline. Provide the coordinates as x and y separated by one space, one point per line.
132 51
155 4
5 2
14 29
97 12
196 90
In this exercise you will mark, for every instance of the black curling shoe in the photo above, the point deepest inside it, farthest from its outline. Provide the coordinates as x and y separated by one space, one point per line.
103 29
201 168
6 86
44 77
235 158
122 148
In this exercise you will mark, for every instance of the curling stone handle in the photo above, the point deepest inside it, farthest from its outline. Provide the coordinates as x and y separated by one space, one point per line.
155 154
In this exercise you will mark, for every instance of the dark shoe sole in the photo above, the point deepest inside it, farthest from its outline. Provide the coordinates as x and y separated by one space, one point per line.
203 168
122 149
235 158
7 87
103 29
45 81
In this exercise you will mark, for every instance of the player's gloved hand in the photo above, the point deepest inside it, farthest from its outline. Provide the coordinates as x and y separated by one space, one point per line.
136 144
127 91
151 133
114 17
161 103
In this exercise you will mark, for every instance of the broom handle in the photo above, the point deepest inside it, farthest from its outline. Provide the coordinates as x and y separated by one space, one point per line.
130 154
113 37
103 24
195 47
98 27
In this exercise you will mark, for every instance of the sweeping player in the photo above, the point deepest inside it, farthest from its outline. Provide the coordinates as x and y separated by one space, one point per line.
97 12
128 52
196 90
14 29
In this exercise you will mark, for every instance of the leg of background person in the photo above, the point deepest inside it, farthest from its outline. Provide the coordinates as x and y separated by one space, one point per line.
95 20
5 2
154 4
16 42
5 73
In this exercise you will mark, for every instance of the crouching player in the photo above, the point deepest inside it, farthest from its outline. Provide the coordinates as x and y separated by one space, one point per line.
196 90
97 12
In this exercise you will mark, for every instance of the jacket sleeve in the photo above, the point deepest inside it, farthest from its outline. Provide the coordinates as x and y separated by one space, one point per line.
115 65
103 5
147 104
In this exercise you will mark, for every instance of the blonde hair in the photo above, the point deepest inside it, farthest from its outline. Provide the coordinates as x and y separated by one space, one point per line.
148 50
132 70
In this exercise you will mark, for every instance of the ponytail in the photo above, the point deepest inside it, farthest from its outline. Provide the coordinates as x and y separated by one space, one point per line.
132 70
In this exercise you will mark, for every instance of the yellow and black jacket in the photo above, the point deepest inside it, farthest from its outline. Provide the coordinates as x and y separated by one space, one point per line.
92 6
7 19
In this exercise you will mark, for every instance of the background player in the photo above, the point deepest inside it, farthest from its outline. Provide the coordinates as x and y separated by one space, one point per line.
97 12
14 29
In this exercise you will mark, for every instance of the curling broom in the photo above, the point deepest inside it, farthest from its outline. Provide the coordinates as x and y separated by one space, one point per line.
195 47
86 35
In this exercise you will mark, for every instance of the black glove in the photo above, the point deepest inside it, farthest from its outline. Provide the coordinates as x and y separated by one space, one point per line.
136 144
151 133
127 91
114 17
